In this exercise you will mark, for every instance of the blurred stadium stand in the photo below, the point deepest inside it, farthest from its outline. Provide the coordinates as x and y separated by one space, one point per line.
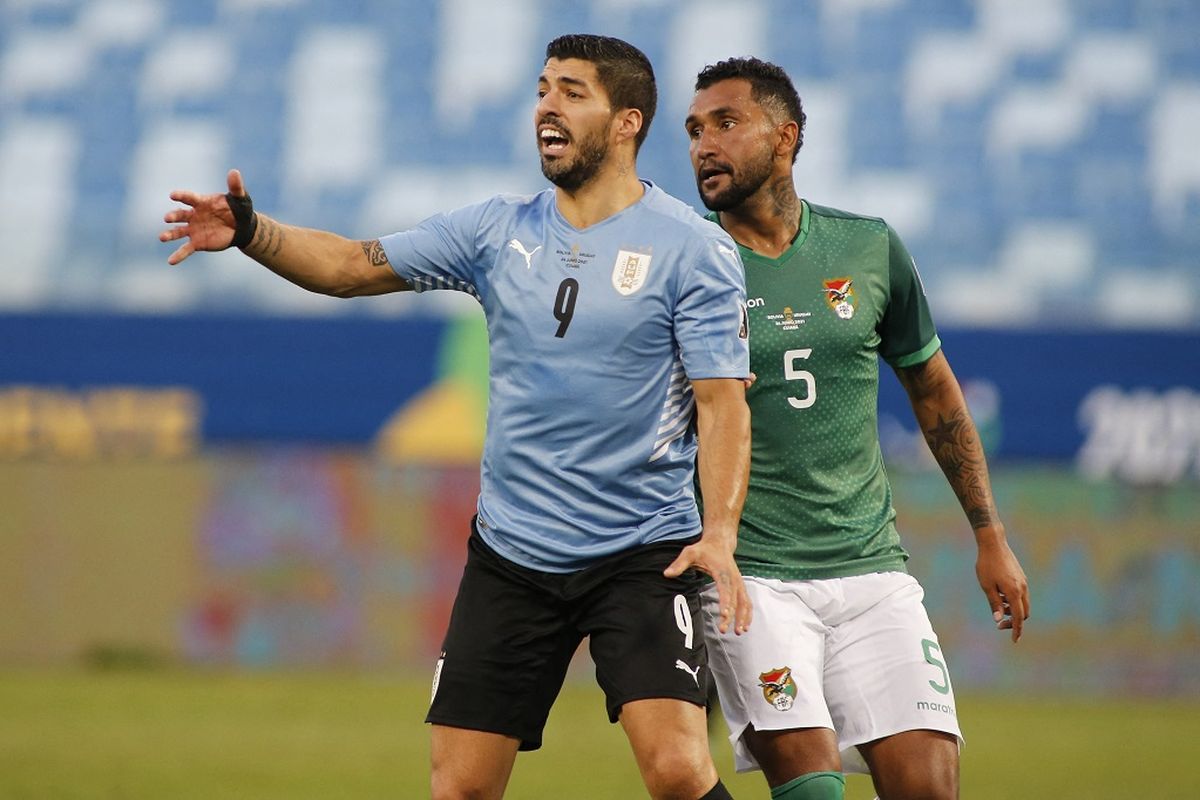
1038 156
249 484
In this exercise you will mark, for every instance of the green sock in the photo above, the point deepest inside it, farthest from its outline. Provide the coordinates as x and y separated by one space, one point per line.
812 786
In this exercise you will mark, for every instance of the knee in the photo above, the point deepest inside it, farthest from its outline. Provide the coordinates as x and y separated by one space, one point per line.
449 784
678 774
449 787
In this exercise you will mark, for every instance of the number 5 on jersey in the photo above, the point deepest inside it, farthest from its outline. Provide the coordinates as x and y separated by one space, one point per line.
793 373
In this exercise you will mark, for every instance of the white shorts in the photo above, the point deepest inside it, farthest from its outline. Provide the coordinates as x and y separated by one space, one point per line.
856 655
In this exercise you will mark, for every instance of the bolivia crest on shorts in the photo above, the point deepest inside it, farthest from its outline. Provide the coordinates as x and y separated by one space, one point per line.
778 687
839 294
629 272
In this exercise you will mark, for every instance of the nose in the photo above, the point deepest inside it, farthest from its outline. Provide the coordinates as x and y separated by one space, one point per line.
704 145
547 104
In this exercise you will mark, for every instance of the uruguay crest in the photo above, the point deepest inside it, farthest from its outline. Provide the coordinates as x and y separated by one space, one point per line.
629 272
778 688
839 294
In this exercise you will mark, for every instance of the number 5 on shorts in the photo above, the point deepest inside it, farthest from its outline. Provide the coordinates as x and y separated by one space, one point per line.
683 619
930 646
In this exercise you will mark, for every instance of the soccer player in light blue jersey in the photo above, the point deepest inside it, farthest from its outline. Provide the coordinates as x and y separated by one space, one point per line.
617 329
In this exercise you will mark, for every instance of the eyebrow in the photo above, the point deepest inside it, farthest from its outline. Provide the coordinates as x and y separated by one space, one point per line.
723 111
564 79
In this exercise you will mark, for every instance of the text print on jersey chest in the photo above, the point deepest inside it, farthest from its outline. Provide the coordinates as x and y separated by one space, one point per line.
786 318
574 257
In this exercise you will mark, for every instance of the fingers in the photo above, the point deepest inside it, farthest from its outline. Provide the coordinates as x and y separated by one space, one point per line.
1001 612
1009 615
183 252
184 196
732 599
1017 618
745 610
236 187
1018 610
679 565
171 234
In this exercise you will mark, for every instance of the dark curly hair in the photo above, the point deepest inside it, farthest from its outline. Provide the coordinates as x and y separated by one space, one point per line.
770 87
622 69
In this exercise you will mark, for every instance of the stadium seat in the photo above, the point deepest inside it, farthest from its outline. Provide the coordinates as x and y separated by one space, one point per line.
37 159
961 122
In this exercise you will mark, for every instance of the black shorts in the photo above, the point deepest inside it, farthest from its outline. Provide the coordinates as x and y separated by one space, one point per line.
514 630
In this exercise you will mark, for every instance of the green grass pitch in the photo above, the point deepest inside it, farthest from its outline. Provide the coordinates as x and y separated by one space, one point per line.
184 734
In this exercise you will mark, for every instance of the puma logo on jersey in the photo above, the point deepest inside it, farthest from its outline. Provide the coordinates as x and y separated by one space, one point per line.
520 248
695 673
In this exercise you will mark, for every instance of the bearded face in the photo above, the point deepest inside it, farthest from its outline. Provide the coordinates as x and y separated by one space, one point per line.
723 185
570 161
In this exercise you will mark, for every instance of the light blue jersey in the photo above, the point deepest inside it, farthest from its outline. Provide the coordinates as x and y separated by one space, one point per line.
595 335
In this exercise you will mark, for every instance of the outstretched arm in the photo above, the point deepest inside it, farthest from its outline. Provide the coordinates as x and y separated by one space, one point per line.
723 428
941 411
316 260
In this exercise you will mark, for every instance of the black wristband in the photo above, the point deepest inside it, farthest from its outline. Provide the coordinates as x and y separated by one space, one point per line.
244 217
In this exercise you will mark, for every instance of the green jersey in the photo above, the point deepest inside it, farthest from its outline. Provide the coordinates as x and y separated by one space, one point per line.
845 292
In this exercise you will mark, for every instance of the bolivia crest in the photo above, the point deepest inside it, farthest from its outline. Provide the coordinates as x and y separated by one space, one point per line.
778 687
629 272
839 294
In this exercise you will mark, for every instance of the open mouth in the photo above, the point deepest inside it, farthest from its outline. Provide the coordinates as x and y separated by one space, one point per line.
552 140
708 177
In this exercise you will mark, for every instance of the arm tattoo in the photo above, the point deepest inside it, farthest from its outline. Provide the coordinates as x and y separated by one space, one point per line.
373 250
955 444
268 239
952 439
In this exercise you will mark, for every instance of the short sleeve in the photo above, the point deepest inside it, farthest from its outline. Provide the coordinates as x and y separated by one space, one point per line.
907 335
710 315
441 252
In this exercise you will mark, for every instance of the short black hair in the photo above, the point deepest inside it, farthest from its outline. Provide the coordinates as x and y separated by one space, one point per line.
770 87
622 69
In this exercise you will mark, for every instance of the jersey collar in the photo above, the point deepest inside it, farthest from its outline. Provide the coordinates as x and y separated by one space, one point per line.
801 236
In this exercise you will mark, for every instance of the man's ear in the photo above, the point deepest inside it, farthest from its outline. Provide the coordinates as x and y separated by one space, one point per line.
788 133
627 123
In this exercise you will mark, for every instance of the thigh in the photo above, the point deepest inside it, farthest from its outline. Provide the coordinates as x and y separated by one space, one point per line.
918 763
885 672
669 739
787 754
505 654
645 634
770 679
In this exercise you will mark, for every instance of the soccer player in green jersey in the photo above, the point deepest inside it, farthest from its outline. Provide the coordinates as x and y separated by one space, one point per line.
842 671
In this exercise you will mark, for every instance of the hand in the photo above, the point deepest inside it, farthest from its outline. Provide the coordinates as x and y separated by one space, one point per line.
749 380
716 560
1003 581
208 224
